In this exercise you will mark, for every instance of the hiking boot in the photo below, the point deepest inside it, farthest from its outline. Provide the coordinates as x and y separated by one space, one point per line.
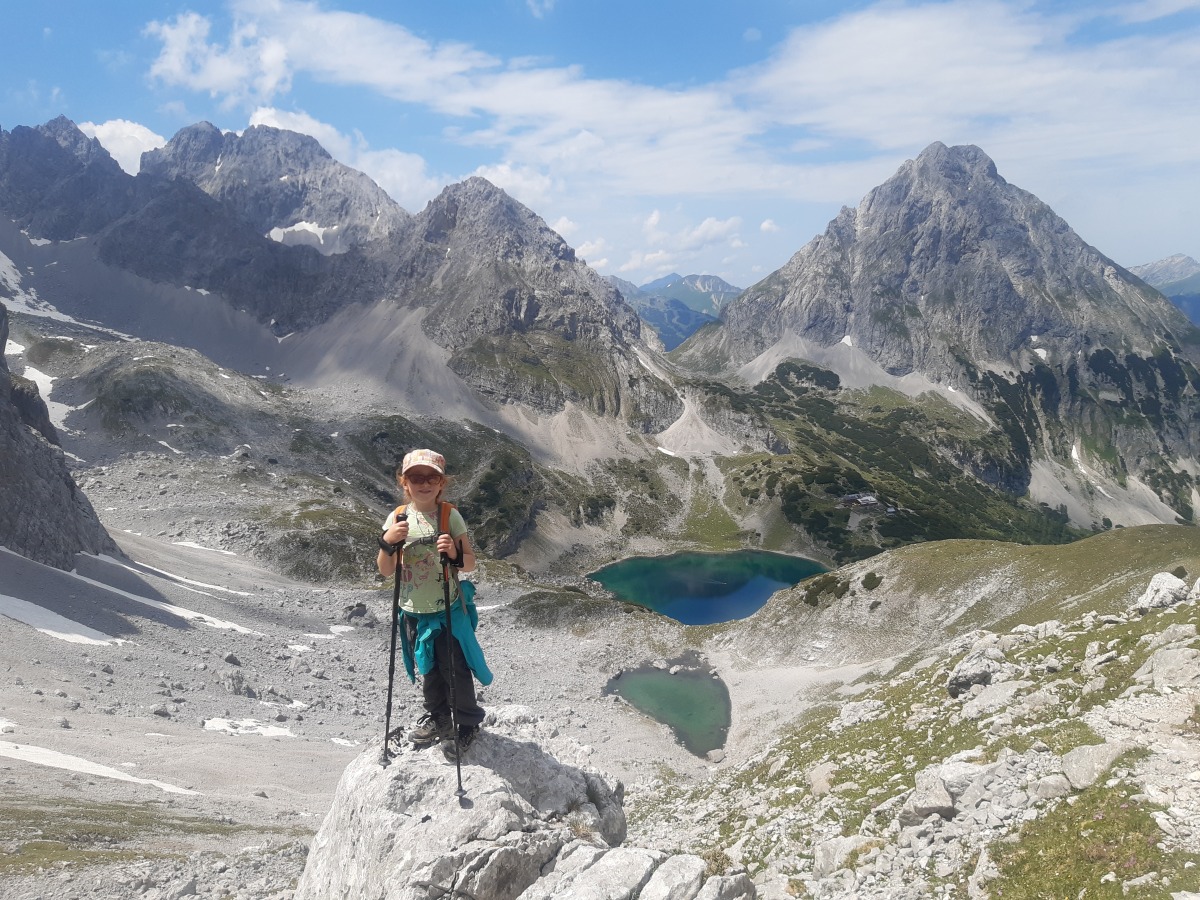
459 748
431 729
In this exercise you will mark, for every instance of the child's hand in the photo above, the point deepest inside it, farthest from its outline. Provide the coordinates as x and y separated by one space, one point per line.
447 547
397 533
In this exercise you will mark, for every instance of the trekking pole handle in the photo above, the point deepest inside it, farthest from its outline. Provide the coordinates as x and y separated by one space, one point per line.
445 557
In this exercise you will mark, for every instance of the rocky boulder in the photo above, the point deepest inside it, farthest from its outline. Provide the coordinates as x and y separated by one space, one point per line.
533 822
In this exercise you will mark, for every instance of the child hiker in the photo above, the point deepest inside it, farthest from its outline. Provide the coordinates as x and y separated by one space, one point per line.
411 541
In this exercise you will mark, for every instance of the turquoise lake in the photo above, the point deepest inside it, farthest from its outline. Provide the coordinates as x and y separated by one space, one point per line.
693 703
705 588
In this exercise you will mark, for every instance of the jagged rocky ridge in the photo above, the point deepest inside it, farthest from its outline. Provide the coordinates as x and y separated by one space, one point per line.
46 517
486 279
282 183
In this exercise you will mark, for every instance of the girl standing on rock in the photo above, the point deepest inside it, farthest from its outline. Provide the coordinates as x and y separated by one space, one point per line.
413 541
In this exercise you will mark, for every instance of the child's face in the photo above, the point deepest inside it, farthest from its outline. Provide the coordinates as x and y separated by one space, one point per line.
422 483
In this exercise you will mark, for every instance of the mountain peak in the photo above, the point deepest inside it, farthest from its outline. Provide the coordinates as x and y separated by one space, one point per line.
948 161
1167 270
283 183
67 135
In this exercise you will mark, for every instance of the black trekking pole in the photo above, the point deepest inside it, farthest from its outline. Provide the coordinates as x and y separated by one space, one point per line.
450 665
384 759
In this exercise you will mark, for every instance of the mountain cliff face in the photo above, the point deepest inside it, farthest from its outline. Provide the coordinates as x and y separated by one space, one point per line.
282 183
946 261
949 272
58 184
44 515
520 315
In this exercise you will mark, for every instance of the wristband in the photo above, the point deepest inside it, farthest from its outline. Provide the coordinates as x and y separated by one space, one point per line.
389 549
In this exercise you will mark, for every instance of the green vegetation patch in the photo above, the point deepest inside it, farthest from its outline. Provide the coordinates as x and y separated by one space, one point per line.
565 609
1093 847
925 469
48 349
37 835
321 542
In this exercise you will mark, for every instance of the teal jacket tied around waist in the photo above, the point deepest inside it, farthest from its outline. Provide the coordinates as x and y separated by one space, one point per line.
463 619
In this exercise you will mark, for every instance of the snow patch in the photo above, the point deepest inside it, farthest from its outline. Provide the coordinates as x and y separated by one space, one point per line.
41 619
177 578
183 613
45 384
196 546
1042 353
12 348
325 239
172 449
246 726
52 758
847 341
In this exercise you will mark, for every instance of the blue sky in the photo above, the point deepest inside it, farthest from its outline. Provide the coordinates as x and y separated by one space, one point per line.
684 135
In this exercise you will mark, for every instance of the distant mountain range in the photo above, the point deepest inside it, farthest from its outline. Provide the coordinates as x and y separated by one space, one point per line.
1178 277
949 347
674 306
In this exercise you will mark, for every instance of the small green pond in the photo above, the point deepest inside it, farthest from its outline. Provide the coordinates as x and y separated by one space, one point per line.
693 702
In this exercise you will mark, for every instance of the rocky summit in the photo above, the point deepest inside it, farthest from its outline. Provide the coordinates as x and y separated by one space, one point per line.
525 825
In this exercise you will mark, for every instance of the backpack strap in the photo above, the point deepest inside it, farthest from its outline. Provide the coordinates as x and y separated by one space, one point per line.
444 507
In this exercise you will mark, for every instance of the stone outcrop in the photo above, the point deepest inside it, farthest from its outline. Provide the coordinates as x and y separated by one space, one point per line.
44 515
528 826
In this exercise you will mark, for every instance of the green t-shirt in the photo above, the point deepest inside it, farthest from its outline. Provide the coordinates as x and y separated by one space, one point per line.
420 566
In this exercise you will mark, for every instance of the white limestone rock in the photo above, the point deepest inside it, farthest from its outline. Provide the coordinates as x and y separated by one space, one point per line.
1165 590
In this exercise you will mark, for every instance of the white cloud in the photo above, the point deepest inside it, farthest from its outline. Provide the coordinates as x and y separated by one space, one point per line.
565 226
540 8
591 249
768 226
527 184
658 262
125 141
1152 10
710 231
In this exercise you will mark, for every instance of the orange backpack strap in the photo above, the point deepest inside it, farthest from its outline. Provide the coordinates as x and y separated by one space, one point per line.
399 512
444 516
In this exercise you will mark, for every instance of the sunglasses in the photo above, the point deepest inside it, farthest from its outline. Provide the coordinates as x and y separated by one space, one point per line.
423 479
